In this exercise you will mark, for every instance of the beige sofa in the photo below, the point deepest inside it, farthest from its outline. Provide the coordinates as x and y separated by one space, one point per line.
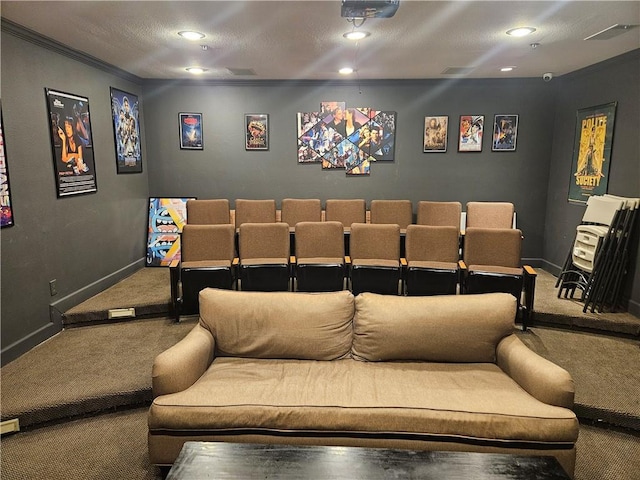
423 373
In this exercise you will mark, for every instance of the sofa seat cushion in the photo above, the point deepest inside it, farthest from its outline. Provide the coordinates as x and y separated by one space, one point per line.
462 401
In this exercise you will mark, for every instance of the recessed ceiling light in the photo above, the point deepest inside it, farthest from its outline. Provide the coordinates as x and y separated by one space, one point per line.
345 71
196 70
507 69
521 31
356 35
190 35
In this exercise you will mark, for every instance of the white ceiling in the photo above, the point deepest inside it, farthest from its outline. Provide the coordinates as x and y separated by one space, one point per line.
303 39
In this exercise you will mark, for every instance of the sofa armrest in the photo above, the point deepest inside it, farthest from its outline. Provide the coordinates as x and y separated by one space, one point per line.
541 378
178 368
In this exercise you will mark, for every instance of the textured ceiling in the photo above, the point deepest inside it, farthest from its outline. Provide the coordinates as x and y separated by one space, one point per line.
303 39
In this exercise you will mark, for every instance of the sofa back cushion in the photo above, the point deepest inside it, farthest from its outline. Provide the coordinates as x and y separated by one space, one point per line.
310 326
448 328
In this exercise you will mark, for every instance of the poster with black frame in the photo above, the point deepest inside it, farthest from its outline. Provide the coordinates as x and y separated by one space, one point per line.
125 112
71 143
191 131
435 134
167 216
592 152
505 133
470 134
256 131
6 208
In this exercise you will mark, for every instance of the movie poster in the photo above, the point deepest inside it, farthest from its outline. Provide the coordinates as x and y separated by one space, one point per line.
256 131
592 152
167 216
505 133
70 128
191 131
125 112
6 209
471 130
435 134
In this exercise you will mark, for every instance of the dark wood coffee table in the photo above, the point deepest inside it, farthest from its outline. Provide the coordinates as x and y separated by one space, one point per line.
213 460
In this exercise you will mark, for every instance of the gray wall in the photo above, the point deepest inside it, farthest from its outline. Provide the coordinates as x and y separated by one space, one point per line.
89 242
225 170
616 80
83 241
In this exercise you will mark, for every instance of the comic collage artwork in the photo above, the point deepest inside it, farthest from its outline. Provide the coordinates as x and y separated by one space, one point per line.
167 216
346 138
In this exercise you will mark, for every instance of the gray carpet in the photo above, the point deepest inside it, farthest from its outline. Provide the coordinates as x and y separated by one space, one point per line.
148 291
568 312
99 368
604 369
87 370
114 446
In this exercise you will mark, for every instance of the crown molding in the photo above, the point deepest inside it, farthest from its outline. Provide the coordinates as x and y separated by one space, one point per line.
35 38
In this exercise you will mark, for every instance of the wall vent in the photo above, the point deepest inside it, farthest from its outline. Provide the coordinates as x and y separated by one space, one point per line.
241 71
610 32
458 71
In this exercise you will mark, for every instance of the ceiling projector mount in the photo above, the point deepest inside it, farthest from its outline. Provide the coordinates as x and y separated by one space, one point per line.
369 8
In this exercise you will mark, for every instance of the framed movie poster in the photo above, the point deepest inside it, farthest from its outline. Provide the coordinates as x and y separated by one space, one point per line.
6 209
592 152
167 216
71 144
435 134
191 131
256 127
125 112
505 133
471 129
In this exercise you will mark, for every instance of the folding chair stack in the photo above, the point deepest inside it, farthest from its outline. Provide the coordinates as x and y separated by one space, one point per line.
598 260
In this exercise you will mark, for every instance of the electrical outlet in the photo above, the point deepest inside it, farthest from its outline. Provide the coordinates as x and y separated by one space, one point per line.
53 287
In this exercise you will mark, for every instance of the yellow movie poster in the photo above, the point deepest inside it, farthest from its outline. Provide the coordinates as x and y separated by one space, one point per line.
591 152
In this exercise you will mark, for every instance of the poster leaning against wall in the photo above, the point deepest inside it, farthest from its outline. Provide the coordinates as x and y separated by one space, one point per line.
592 152
6 209
71 143
167 216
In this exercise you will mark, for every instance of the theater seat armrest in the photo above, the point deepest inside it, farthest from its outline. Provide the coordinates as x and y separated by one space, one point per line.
178 368
541 378
529 270
462 266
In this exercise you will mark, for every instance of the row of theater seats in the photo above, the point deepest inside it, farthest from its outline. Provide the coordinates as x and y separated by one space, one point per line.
348 211
326 256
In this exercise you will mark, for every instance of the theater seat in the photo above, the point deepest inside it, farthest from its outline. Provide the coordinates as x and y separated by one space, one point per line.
264 256
375 258
320 265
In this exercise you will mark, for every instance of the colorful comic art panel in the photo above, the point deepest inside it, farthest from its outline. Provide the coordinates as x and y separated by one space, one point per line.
346 138
167 216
